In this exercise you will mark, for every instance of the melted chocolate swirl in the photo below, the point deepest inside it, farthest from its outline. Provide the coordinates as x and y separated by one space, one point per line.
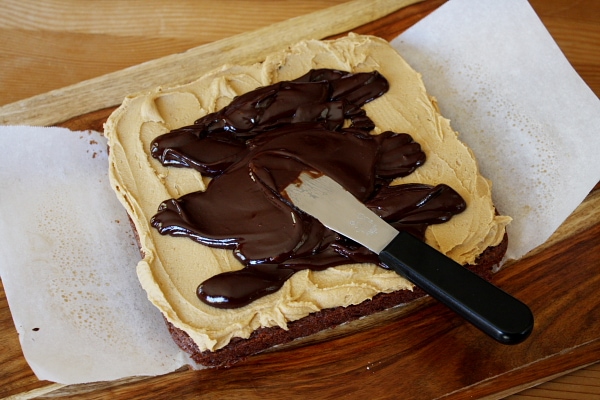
260 143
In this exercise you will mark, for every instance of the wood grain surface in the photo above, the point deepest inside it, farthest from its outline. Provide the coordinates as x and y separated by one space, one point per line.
108 90
425 352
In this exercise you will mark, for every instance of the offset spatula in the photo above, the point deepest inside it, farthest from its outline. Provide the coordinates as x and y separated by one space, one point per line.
487 307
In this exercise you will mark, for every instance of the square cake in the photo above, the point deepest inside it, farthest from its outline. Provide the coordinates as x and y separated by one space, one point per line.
151 174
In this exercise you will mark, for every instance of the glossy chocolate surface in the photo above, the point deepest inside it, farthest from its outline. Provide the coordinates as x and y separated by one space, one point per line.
260 143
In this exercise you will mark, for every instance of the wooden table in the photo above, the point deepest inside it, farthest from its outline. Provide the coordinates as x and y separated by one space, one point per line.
424 353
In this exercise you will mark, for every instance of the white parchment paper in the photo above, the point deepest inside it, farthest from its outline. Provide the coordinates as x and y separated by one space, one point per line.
67 263
68 256
530 119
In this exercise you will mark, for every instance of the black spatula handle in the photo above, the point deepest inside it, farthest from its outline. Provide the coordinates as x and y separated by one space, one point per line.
486 306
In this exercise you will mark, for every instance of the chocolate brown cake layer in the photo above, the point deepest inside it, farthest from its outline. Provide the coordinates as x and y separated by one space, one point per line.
264 338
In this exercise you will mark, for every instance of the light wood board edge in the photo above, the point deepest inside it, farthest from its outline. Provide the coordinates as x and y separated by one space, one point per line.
109 90
537 382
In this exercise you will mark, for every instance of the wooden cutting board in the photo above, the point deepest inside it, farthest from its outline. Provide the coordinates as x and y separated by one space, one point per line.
423 352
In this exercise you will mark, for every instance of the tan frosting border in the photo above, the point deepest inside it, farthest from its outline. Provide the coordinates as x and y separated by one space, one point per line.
173 267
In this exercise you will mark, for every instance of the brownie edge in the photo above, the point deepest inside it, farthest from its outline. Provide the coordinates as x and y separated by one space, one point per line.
264 338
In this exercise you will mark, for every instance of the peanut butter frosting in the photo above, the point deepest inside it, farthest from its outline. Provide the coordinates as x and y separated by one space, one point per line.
172 267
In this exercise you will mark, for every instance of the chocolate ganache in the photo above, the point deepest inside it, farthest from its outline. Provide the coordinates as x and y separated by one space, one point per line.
253 148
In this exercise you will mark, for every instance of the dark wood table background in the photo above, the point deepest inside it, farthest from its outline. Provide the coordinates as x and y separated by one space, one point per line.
424 353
